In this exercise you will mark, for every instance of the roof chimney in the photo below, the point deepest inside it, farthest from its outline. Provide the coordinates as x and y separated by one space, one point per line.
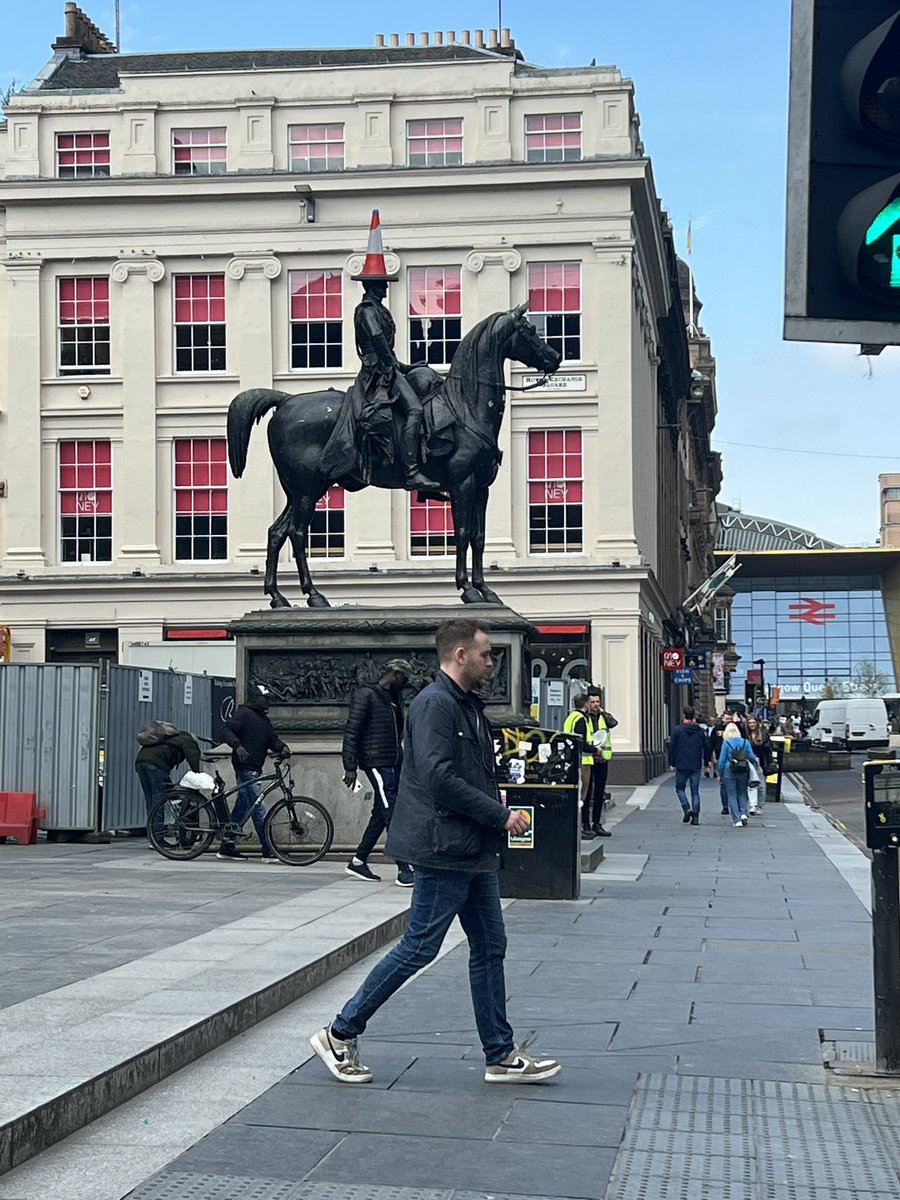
395 39
423 39
410 39
492 39
479 39
504 37
438 38
82 34
451 36
466 38
379 39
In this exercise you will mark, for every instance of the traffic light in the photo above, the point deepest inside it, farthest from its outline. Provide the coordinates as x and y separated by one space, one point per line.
843 230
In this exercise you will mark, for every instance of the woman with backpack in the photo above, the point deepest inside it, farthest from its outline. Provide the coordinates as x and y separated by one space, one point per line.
735 758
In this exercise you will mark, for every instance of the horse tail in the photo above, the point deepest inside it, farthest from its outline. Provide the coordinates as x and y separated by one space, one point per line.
245 409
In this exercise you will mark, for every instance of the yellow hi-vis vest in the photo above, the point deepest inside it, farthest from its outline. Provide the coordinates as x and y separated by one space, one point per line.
580 723
606 748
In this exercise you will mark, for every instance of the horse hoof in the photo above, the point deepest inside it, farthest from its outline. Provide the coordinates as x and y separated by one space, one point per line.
317 600
490 597
279 602
471 595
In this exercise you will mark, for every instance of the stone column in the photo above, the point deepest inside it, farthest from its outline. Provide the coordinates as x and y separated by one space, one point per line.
489 283
136 508
254 497
21 362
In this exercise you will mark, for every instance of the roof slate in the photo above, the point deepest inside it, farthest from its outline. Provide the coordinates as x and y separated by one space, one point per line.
99 72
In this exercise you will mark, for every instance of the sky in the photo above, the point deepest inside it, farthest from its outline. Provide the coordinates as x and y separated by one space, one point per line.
804 429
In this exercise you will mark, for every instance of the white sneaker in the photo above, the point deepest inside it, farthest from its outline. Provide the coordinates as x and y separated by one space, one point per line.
269 860
745 820
739 824
519 1067
340 1057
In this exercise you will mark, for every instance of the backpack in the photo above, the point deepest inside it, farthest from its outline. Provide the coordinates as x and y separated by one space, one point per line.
154 733
740 760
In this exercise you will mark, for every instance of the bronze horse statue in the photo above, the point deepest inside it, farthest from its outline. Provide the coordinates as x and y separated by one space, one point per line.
474 392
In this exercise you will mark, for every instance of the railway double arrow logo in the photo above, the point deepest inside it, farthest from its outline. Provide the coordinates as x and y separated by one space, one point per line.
814 612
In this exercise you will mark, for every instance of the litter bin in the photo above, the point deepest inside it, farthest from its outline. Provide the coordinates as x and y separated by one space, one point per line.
538 772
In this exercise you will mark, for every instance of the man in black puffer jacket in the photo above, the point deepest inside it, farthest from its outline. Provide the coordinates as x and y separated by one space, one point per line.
372 741
449 823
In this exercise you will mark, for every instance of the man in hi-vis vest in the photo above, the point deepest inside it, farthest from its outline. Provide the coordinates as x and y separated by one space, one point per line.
603 725
579 722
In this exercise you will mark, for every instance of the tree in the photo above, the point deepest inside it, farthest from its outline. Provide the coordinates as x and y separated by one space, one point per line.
868 681
832 689
8 91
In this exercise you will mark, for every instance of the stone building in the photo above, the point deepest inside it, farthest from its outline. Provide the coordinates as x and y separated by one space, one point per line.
179 227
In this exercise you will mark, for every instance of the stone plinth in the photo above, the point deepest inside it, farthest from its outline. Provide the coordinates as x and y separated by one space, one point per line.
312 660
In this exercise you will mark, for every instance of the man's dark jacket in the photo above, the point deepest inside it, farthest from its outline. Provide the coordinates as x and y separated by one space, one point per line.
253 730
448 814
688 747
174 750
373 730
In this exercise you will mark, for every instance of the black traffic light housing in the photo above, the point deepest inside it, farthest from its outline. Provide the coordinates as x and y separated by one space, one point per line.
843 248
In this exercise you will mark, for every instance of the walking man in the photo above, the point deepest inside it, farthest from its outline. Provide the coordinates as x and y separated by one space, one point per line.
251 736
604 723
687 754
372 741
449 825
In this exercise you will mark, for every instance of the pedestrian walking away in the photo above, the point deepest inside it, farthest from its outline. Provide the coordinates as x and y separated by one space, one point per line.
449 824
734 767
251 736
687 754
163 748
758 736
373 738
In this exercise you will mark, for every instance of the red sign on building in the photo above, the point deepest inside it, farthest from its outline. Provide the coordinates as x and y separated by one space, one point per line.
672 659
814 612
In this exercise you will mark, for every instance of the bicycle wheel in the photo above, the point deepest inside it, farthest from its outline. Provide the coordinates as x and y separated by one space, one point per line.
181 826
300 830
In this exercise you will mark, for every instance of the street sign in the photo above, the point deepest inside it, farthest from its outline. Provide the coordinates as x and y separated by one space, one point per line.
672 658
843 218
682 678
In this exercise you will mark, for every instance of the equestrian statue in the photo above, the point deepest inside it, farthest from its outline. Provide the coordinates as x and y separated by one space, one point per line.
398 426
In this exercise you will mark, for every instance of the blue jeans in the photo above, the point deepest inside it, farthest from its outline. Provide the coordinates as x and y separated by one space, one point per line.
693 778
736 791
153 781
384 781
438 897
247 796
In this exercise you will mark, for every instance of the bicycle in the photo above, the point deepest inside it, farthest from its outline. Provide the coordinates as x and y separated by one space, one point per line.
300 830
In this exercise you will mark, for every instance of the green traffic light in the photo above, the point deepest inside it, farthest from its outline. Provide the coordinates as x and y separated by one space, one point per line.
886 218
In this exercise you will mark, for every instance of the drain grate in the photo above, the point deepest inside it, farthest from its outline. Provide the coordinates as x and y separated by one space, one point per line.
702 1138
366 1191
186 1185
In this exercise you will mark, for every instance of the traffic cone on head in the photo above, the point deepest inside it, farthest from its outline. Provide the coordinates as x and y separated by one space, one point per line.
374 267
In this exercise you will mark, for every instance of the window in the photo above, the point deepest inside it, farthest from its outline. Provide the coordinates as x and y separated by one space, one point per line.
721 618
201 499
326 530
890 493
434 143
316 147
553 137
85 502
199 322
555 522
554 305
430 528
316 327
82 155
84 325
435 323
199 151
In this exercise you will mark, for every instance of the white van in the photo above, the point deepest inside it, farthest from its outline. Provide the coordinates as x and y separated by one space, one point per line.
859 723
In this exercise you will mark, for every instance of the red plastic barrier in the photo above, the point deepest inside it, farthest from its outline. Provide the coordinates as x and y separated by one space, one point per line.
19 815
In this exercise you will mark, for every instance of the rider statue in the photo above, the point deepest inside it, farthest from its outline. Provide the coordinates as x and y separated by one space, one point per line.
382 381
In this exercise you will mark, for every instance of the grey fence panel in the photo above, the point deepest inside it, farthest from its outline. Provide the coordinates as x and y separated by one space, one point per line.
49 739
134 696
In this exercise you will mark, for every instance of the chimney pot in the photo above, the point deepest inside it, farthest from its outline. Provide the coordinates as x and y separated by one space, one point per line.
451 37
504 37
395 39
438 38
423 39
479 39
379 39
466 37
492 38
410 39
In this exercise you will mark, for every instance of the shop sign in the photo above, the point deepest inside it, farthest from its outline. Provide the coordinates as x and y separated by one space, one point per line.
672 658
682 678
696 660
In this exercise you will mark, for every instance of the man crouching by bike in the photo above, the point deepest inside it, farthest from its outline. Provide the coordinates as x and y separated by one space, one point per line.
251 736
